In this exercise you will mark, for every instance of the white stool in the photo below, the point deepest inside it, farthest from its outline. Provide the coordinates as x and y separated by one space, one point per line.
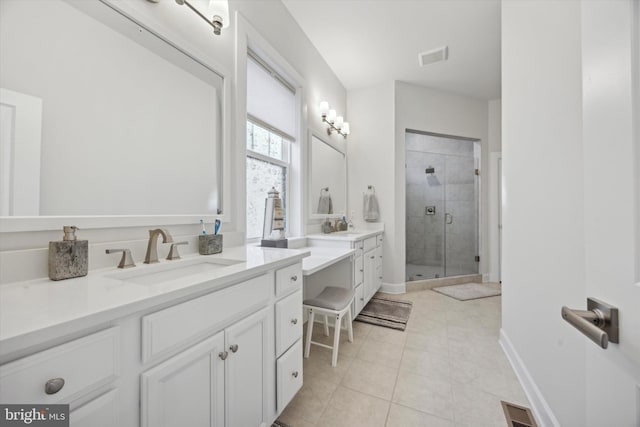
332 301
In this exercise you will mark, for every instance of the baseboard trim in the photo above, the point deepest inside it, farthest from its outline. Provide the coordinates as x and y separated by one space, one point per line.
393 288
539 406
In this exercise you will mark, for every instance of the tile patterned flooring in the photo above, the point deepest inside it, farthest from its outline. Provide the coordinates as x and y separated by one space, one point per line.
446 369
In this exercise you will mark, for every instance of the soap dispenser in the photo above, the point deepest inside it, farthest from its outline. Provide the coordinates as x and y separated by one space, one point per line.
69 257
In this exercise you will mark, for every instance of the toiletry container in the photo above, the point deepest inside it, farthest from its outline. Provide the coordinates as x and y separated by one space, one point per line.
69 257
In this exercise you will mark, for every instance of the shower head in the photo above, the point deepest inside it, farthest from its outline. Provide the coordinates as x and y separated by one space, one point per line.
429 170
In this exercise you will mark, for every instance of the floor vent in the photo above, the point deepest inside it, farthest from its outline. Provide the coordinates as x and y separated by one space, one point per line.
518 416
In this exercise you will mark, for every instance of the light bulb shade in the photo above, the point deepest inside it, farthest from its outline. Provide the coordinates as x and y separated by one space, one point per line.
339 122
219 8
324 108
331 116
345 128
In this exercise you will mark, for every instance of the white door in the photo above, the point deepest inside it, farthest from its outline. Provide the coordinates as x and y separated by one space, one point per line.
612 216
20 141
188 389
246 368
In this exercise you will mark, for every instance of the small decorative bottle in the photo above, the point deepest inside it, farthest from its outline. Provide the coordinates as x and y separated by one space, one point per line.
69 257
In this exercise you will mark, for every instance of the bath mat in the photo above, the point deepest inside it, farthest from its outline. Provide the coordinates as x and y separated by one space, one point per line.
387 312
277 423
470 291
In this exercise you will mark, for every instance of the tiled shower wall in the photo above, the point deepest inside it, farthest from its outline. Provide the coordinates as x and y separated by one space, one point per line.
451 189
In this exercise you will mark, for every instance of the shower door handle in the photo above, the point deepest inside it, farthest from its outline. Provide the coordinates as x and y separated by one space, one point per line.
448 218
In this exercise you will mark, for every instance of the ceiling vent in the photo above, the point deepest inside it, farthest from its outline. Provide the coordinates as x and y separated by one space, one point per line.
436 55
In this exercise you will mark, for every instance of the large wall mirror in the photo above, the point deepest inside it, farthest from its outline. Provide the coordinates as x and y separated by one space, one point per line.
328 183
101 117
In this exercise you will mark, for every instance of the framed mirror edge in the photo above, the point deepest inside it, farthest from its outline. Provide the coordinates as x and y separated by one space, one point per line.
10 224
311 202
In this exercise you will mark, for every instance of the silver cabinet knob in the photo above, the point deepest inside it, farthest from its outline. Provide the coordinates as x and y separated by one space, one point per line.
223 355
295 374
361 247
294 321
54 385
294 278
362 270
372 256
233 347
361 299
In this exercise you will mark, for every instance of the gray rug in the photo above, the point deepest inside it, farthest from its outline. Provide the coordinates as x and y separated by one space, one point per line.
470 291
387 312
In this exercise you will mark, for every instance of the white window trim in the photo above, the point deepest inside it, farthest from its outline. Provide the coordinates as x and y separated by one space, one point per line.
282 163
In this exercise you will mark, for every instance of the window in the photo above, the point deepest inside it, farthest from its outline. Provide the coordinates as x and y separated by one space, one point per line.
267 166
271 120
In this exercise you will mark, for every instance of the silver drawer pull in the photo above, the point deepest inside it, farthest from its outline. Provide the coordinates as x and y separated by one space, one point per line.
223 355
233 347
362 270
361 299
361 247
294 321
54 385
372 256
295 374
294 278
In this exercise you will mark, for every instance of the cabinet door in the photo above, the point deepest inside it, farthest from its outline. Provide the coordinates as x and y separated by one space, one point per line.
378 275
358 267
188 389
369 275
246 370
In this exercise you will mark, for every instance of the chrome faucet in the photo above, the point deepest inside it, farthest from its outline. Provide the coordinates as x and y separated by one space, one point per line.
152 246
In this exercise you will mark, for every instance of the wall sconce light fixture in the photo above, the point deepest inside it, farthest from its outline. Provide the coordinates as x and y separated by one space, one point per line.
336 123
217 9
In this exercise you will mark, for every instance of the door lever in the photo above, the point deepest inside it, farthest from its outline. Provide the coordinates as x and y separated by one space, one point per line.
599 322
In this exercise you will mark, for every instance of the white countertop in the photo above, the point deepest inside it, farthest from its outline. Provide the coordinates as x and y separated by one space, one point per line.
37 310
350 236
322 257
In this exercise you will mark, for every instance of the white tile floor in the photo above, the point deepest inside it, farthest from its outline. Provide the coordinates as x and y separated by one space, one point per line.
446 369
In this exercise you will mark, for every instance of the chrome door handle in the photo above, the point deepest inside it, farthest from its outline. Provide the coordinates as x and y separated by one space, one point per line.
599 322
448 218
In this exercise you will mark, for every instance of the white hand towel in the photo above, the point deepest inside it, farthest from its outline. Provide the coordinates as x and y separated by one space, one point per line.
370 207
325 204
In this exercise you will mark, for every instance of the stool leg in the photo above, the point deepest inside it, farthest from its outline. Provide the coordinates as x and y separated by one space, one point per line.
307 346
349 324
326 325
336 341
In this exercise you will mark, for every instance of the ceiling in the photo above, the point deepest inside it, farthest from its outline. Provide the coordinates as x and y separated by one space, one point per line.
368 42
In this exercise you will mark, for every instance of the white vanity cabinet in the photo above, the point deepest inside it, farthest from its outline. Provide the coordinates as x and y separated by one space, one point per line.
367 269
230 357
219 381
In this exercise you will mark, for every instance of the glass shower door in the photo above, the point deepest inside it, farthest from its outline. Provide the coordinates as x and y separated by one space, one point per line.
461 216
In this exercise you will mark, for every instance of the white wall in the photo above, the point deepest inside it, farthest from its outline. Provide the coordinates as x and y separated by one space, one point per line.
370 153
431 110
495 148
274 23
379 117
543 227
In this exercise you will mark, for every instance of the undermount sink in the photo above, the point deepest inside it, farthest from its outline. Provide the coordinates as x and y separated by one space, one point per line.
166 272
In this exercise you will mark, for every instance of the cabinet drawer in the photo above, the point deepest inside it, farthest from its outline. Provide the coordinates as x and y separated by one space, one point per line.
359 247
369 243
288 321
100 412
379 239
359 299
289 375
288 278
359 267
84 364
177 325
